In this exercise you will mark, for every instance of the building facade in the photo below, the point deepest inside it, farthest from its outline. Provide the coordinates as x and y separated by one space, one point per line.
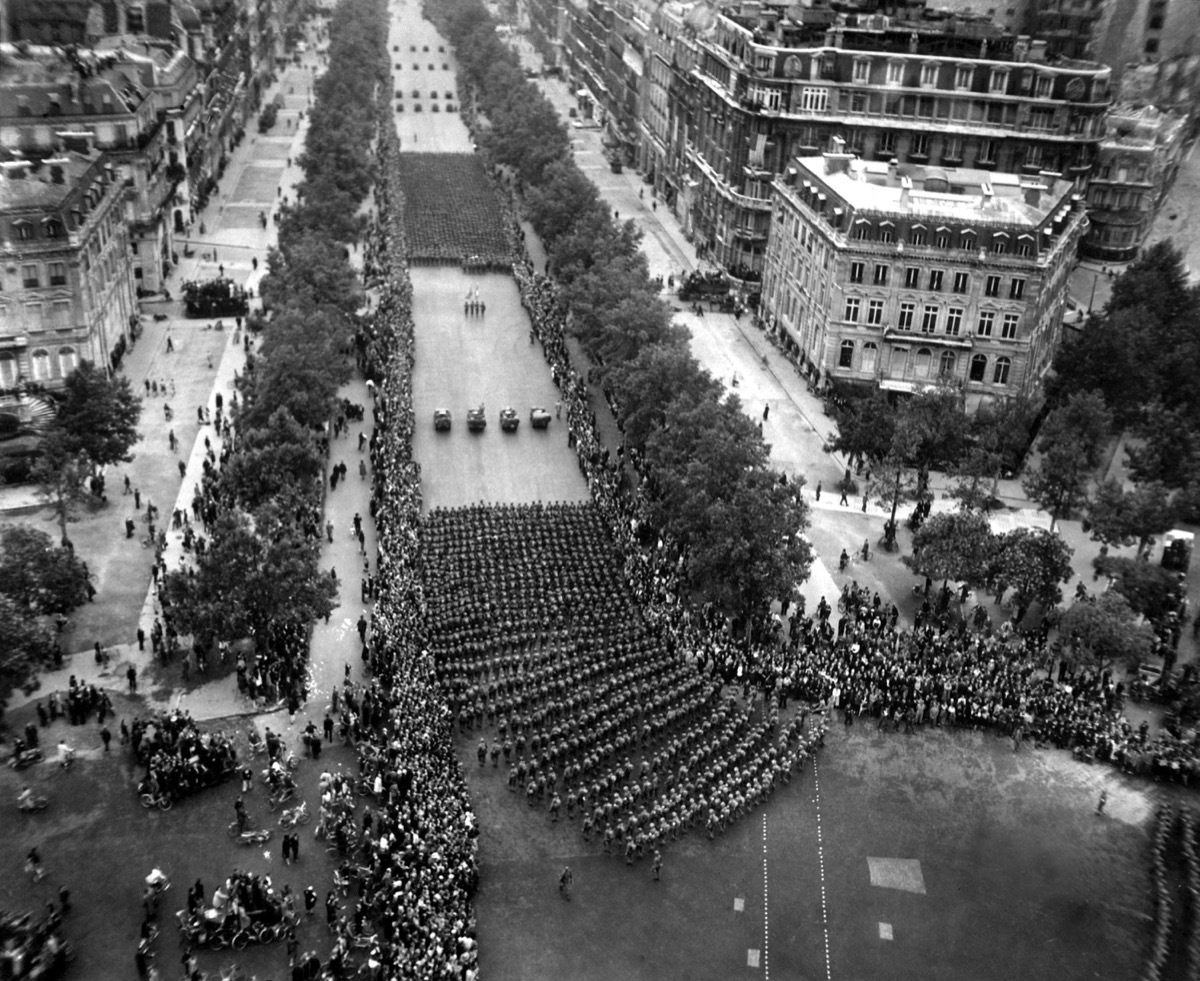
66 270
906 276
128 98
1135 169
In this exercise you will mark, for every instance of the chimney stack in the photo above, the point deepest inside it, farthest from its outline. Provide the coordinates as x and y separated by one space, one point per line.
905 190
838 162
987 196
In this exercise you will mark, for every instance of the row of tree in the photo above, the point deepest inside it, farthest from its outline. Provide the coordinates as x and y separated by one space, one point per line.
709 483
261 566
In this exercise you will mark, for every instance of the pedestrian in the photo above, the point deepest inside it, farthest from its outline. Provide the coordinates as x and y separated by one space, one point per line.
64 900
1103 800
866 549
137 499
247 779
843 502
331 909
182 465
296 847
818 490
864 504
329 531
558 410
141 639
131 675
105 737
766 412
564 882
657 866
33 864
327 725
310 900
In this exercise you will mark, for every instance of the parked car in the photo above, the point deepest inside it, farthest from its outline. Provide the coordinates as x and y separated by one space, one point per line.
476 420
539 418
441 420
509 420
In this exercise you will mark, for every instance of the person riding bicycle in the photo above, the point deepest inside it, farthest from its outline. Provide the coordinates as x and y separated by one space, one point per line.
25 799
66 753
843 561
157 880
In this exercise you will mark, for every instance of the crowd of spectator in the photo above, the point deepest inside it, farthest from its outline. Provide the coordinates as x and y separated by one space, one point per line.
179 758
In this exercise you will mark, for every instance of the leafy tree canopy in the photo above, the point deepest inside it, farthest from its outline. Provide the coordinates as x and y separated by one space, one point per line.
1103 630
1150 589
255 571
955 545
1121 517
1035 563
24 646
38 575
98 416
646 385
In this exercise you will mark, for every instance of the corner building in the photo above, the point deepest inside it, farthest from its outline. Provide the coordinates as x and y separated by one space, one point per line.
952 92
901 277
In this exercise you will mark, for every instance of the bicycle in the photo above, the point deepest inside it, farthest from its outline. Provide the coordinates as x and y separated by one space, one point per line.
295 816
235 829
162 801
280 797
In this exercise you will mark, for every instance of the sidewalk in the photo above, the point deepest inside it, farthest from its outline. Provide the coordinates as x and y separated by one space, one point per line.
202 364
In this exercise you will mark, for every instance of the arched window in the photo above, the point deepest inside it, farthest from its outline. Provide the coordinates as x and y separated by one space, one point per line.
1000 375
68 360
39 364
870 355
8 370
924 357
979 368
947 364
846 355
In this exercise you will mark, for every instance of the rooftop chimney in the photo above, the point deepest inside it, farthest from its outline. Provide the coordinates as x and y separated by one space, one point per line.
838 162
893 166
986 197
905 190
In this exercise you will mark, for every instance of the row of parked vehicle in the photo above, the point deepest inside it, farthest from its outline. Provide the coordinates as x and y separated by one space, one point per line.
539 418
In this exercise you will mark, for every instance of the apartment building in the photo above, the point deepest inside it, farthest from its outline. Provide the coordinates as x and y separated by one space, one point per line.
961 94
901 276
1135 168
129 97
66 270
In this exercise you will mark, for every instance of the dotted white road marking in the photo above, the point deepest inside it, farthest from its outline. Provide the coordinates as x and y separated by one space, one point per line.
752 957
821 863
766 959
739 905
